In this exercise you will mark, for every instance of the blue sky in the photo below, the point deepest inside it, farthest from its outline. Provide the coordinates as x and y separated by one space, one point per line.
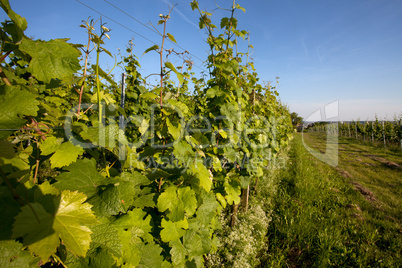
322 50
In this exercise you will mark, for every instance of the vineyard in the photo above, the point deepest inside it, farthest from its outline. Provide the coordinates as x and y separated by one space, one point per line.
386 133
101 173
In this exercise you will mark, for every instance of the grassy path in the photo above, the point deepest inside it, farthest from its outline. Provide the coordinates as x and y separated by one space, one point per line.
375 171
349 216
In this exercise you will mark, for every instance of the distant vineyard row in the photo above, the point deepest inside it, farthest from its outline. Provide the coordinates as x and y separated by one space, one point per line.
386 132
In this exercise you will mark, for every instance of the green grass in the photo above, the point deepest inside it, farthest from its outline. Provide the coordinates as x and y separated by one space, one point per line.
377 169
349 216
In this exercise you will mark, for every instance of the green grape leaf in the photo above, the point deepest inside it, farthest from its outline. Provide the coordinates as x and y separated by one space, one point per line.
82 176
65 154
157 173
183 151
126 191
180 77
45 189
12 255
223 133
56 100
103 74
221 199
231 111
107 197
137 222
18 166
131 255
136 178
201 172
232 193
193 244
178 202
107 201
154 47
166 264
245 181
170 66
224 22
17 19
106 136
107 51
68 222
233 21
187 197
213 91
207 211
96 257
15 102
173 130
37 230
17 36
150 255
241 8
173 230
168 199
51 59
129 188
148 95
104 96
171 37
231 154
179 105
6 149
217 165
105 235
178 252
50 145
194 5
145 201
131 228
71 221
144 126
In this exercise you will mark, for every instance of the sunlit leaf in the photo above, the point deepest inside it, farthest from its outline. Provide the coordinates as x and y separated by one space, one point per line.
51 59
15 103
173 230
171 37
42 230
154 47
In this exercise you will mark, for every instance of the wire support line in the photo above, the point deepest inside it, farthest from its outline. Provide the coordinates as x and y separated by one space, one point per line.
151 29
140 35
119 9
100 13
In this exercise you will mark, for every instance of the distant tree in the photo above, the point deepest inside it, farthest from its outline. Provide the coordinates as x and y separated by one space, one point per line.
296 119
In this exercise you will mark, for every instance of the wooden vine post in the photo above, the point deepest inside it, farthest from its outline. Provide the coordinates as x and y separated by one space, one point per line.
383 132
356 129
372 132
400 127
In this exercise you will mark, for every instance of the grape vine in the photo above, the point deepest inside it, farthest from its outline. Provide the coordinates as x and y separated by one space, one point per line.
82 188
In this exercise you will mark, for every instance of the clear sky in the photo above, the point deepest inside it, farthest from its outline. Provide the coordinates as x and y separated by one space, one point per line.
322 50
